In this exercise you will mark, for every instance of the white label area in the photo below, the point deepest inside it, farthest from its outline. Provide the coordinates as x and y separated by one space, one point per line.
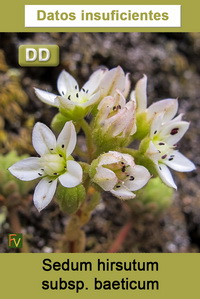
102 16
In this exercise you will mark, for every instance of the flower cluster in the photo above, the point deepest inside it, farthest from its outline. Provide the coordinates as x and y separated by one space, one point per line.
111 165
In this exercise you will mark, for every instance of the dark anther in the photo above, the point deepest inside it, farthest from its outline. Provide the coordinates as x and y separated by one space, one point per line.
87 91
114 108
51 149
170 159
123 168
63 145
155 132
83 89
131 178
55 173
164 156
42 169
60 155
119 106
117 186
77 95
160 168
69 97
76 86
50 182
161 143
63 93
174 131
39 174
122 163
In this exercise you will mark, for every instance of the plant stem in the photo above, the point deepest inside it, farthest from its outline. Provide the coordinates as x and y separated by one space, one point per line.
115 247
88 134
130 151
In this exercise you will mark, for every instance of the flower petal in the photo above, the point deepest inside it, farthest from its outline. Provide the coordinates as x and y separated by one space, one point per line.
93 83
27 169
180 163
168 106
43 139
172 132
64 103
44 193
127 85
109 158
153 153
112 80
141 94
67 138
66 83
123 193
92 100
46 97
73 176
141 176
165 175
156 124
105 178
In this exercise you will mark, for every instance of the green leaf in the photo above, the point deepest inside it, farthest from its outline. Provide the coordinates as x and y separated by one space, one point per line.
70 199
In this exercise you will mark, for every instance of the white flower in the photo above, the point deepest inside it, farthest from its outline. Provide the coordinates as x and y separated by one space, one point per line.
54 163
76 103
71 97
117 173
116 117
113 80
162 147
168 106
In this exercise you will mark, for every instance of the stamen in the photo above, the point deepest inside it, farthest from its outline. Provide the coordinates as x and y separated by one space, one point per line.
51 149
39 174
170 159
123 168
76 86
63 145
50 181
118 186
60 155
119 106
42 169
131 178
155 132
114 108
174 131
164 156
63 93
55 173
77 95
69 97
83 89
87 91
161 143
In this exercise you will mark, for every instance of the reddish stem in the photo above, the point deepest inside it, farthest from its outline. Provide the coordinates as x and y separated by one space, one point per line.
115 247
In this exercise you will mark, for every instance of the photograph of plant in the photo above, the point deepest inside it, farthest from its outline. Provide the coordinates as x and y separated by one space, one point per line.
100 154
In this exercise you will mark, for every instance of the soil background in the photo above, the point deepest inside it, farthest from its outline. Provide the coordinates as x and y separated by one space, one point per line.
171 62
